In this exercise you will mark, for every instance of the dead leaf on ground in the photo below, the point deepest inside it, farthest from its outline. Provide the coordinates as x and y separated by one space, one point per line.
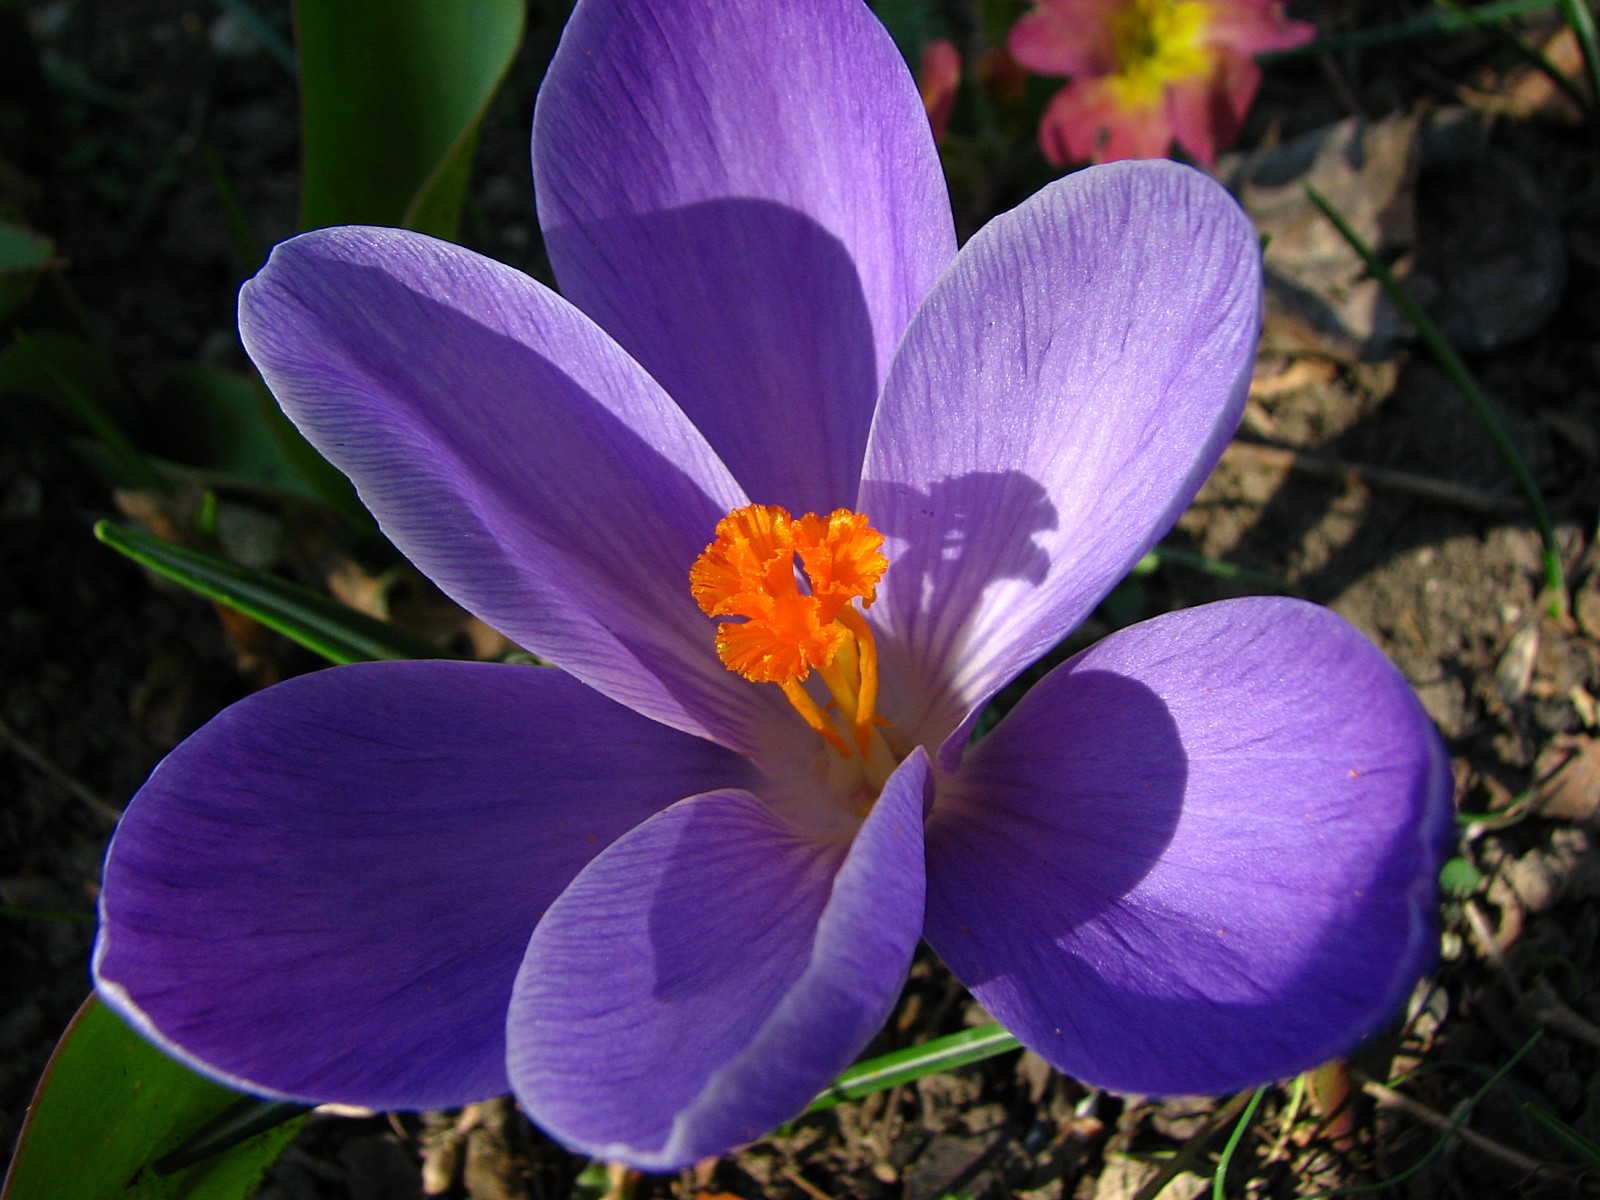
1318 294
1568 774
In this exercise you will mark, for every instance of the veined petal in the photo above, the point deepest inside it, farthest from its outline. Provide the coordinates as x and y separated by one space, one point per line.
1200 856
707 976
513 452
325 893
1056 403
747 196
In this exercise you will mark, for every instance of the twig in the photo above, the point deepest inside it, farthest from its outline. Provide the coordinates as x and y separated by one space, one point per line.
1409 483
78 791
621 1181
804 1184
1389 1098
1549 1010
1489 942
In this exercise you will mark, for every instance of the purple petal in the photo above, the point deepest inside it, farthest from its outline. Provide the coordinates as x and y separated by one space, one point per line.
1056 403
513 452
325 893
708 975
747 196
1200 856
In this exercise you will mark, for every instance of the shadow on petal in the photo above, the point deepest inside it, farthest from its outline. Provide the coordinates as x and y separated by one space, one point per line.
1058 836
1201 856
757 325
712 971
947 547
514 454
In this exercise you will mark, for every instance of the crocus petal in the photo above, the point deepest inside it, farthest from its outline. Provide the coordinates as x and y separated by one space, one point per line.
708 975
1056 403
326 892
747 196
513 452
1201 855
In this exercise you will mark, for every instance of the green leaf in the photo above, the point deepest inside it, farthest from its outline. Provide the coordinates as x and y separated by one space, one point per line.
32 367
214 419
24 256
1581 21
902 1066
912 24
1459 877
228 425
64 369
109 1105
336 631
392 94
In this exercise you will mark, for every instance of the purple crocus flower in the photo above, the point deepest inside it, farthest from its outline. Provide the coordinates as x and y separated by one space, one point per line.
663 901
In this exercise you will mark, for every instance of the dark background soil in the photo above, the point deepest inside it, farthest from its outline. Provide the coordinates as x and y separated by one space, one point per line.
1489 208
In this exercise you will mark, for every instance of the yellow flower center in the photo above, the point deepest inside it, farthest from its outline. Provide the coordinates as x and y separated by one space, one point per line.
749 572
1157 43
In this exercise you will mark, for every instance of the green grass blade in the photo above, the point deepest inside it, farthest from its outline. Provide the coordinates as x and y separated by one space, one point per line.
40 914
1467 385
1525 52
902 1066
1581 21
1215 567
1433 24
134 466
1585 1149
1234 1138
239 233
323 625
1459 1117
261 29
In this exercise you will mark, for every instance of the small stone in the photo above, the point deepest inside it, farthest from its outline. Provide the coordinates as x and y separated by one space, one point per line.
380 1169
1514 672
1586 607
944 1162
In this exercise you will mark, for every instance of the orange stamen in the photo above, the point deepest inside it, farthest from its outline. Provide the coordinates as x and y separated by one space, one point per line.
749 571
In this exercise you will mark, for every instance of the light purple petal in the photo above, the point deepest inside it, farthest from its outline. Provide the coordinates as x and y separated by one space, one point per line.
1055 405
746 194
325 893
706 977
513 452
1200 856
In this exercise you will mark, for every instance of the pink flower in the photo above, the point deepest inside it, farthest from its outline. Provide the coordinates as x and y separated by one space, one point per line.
1147 73
937 79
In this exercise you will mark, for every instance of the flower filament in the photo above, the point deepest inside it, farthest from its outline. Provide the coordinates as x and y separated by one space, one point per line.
749 571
